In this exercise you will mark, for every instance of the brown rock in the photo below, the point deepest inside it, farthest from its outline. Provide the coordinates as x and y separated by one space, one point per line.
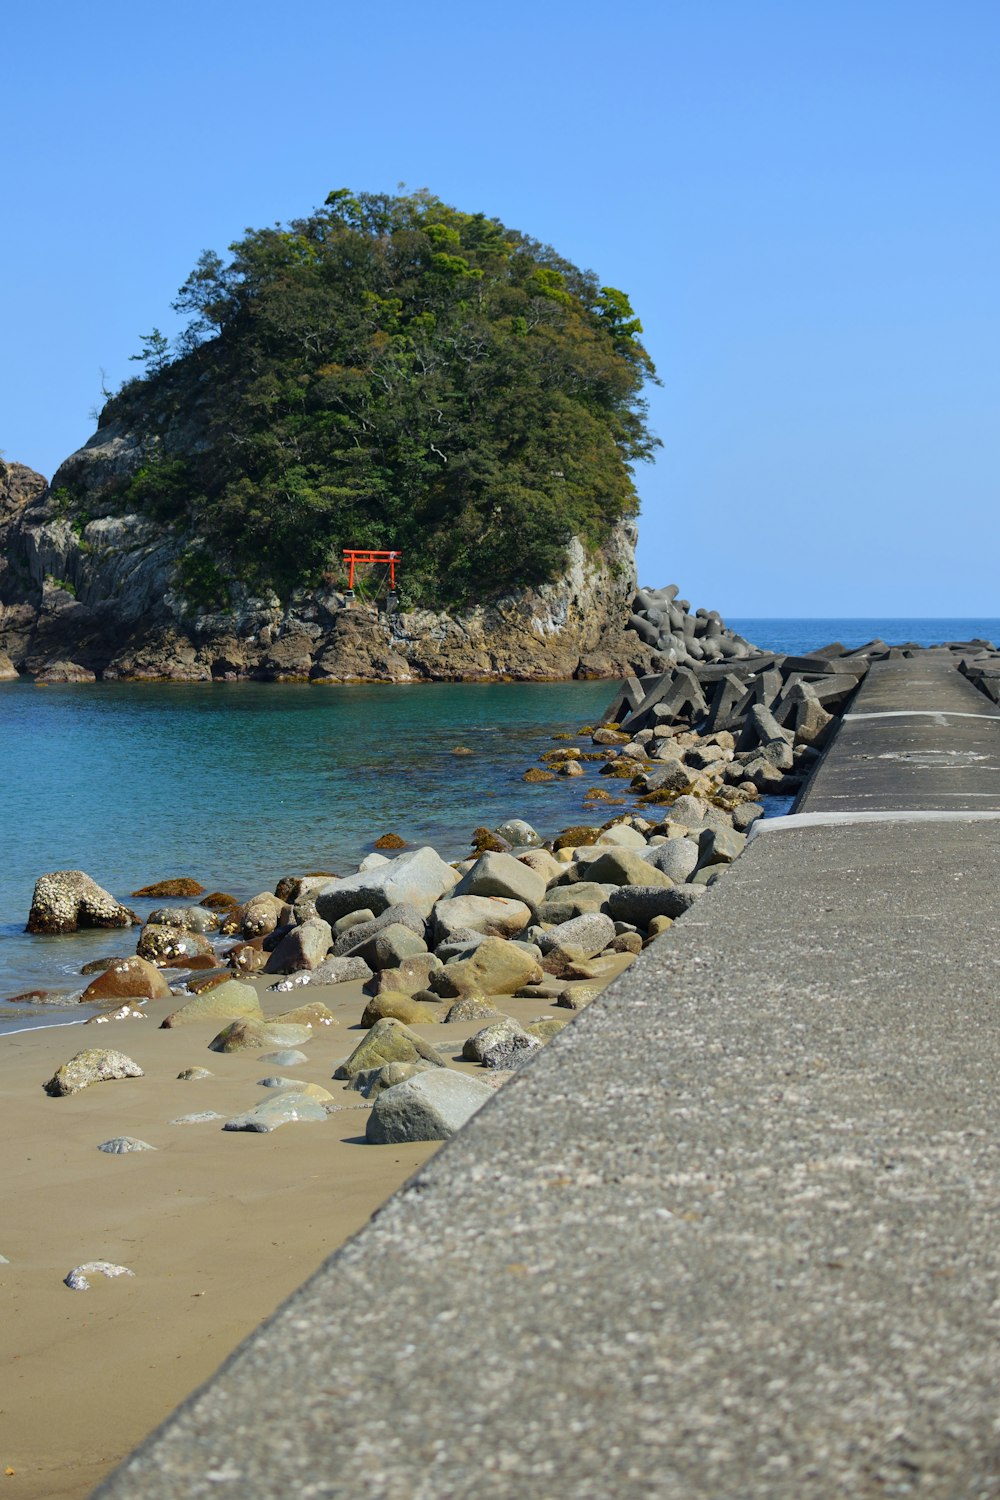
182 886
401 1008
127 979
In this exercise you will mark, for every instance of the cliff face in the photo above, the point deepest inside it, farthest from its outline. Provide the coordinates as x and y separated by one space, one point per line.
86 585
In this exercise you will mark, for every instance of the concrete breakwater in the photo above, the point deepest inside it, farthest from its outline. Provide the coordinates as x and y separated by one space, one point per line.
732 1232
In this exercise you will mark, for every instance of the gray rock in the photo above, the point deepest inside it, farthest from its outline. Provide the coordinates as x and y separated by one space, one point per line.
502 875
409 976
626 867
189 1075
284 1109
352 919
502 1044
402 915
621 836
472 1008
201 1118
517 831
677 858
340 971
428 1107
746 815
640 904
188 918
418 877
581 937
120 1145
371 1081
304 947
389 946
720 846
568 901
287 1058
493 916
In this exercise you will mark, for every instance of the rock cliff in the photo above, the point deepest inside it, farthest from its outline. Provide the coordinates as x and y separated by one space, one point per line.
86 590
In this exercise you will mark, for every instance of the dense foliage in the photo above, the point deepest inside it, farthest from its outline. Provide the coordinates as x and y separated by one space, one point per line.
390 372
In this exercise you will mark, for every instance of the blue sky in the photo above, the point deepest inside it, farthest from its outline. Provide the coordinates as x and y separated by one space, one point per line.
801 200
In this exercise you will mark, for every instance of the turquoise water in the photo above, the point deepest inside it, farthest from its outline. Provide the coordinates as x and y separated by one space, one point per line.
238 784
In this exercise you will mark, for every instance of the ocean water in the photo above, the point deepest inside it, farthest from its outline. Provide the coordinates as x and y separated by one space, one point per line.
238 784
796 636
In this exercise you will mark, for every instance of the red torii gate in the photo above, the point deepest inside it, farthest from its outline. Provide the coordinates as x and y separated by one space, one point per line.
355 555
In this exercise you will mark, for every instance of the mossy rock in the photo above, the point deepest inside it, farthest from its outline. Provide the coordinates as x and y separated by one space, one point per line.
389 841
388 1041
220 901
535 774
573 838
182 886
621 770
484 841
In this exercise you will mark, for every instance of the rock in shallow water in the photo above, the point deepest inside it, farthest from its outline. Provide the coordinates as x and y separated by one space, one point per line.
66 900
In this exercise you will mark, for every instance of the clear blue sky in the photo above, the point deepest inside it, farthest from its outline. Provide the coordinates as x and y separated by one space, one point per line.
800 198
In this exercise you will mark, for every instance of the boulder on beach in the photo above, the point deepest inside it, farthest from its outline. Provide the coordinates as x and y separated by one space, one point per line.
229 1000
66 900
503 1043
502 875
429 1106
314 1013
126 979
495 968
305 947
407 977
419 877
351 939
388 1041
388 947
92 1065
252 1036
290 1107
494 916
400 1007
641 903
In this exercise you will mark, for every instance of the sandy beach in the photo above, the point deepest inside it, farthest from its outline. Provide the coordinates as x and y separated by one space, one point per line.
218 1226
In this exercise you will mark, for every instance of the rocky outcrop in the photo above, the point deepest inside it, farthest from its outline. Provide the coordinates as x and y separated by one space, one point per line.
89 590
86 589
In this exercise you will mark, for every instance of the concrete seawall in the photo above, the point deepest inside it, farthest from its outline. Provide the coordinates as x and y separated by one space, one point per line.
736 1232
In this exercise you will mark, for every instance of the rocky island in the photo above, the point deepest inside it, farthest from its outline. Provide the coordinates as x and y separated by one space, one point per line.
388 372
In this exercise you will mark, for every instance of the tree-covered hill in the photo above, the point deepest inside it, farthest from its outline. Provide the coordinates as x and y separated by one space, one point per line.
388 372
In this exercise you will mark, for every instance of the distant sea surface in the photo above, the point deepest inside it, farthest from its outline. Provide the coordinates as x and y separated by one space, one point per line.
238 784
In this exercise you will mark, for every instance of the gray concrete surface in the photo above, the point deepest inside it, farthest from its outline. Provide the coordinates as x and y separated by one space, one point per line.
735 1232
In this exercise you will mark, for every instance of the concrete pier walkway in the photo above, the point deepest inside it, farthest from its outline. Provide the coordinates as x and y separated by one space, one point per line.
735 1233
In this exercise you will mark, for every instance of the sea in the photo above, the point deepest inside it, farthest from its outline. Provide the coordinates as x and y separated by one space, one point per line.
238 784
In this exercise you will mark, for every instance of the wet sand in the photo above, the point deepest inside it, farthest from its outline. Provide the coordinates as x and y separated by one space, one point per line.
218 1226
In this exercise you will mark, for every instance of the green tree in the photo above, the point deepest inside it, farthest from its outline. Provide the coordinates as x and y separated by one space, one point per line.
391 371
